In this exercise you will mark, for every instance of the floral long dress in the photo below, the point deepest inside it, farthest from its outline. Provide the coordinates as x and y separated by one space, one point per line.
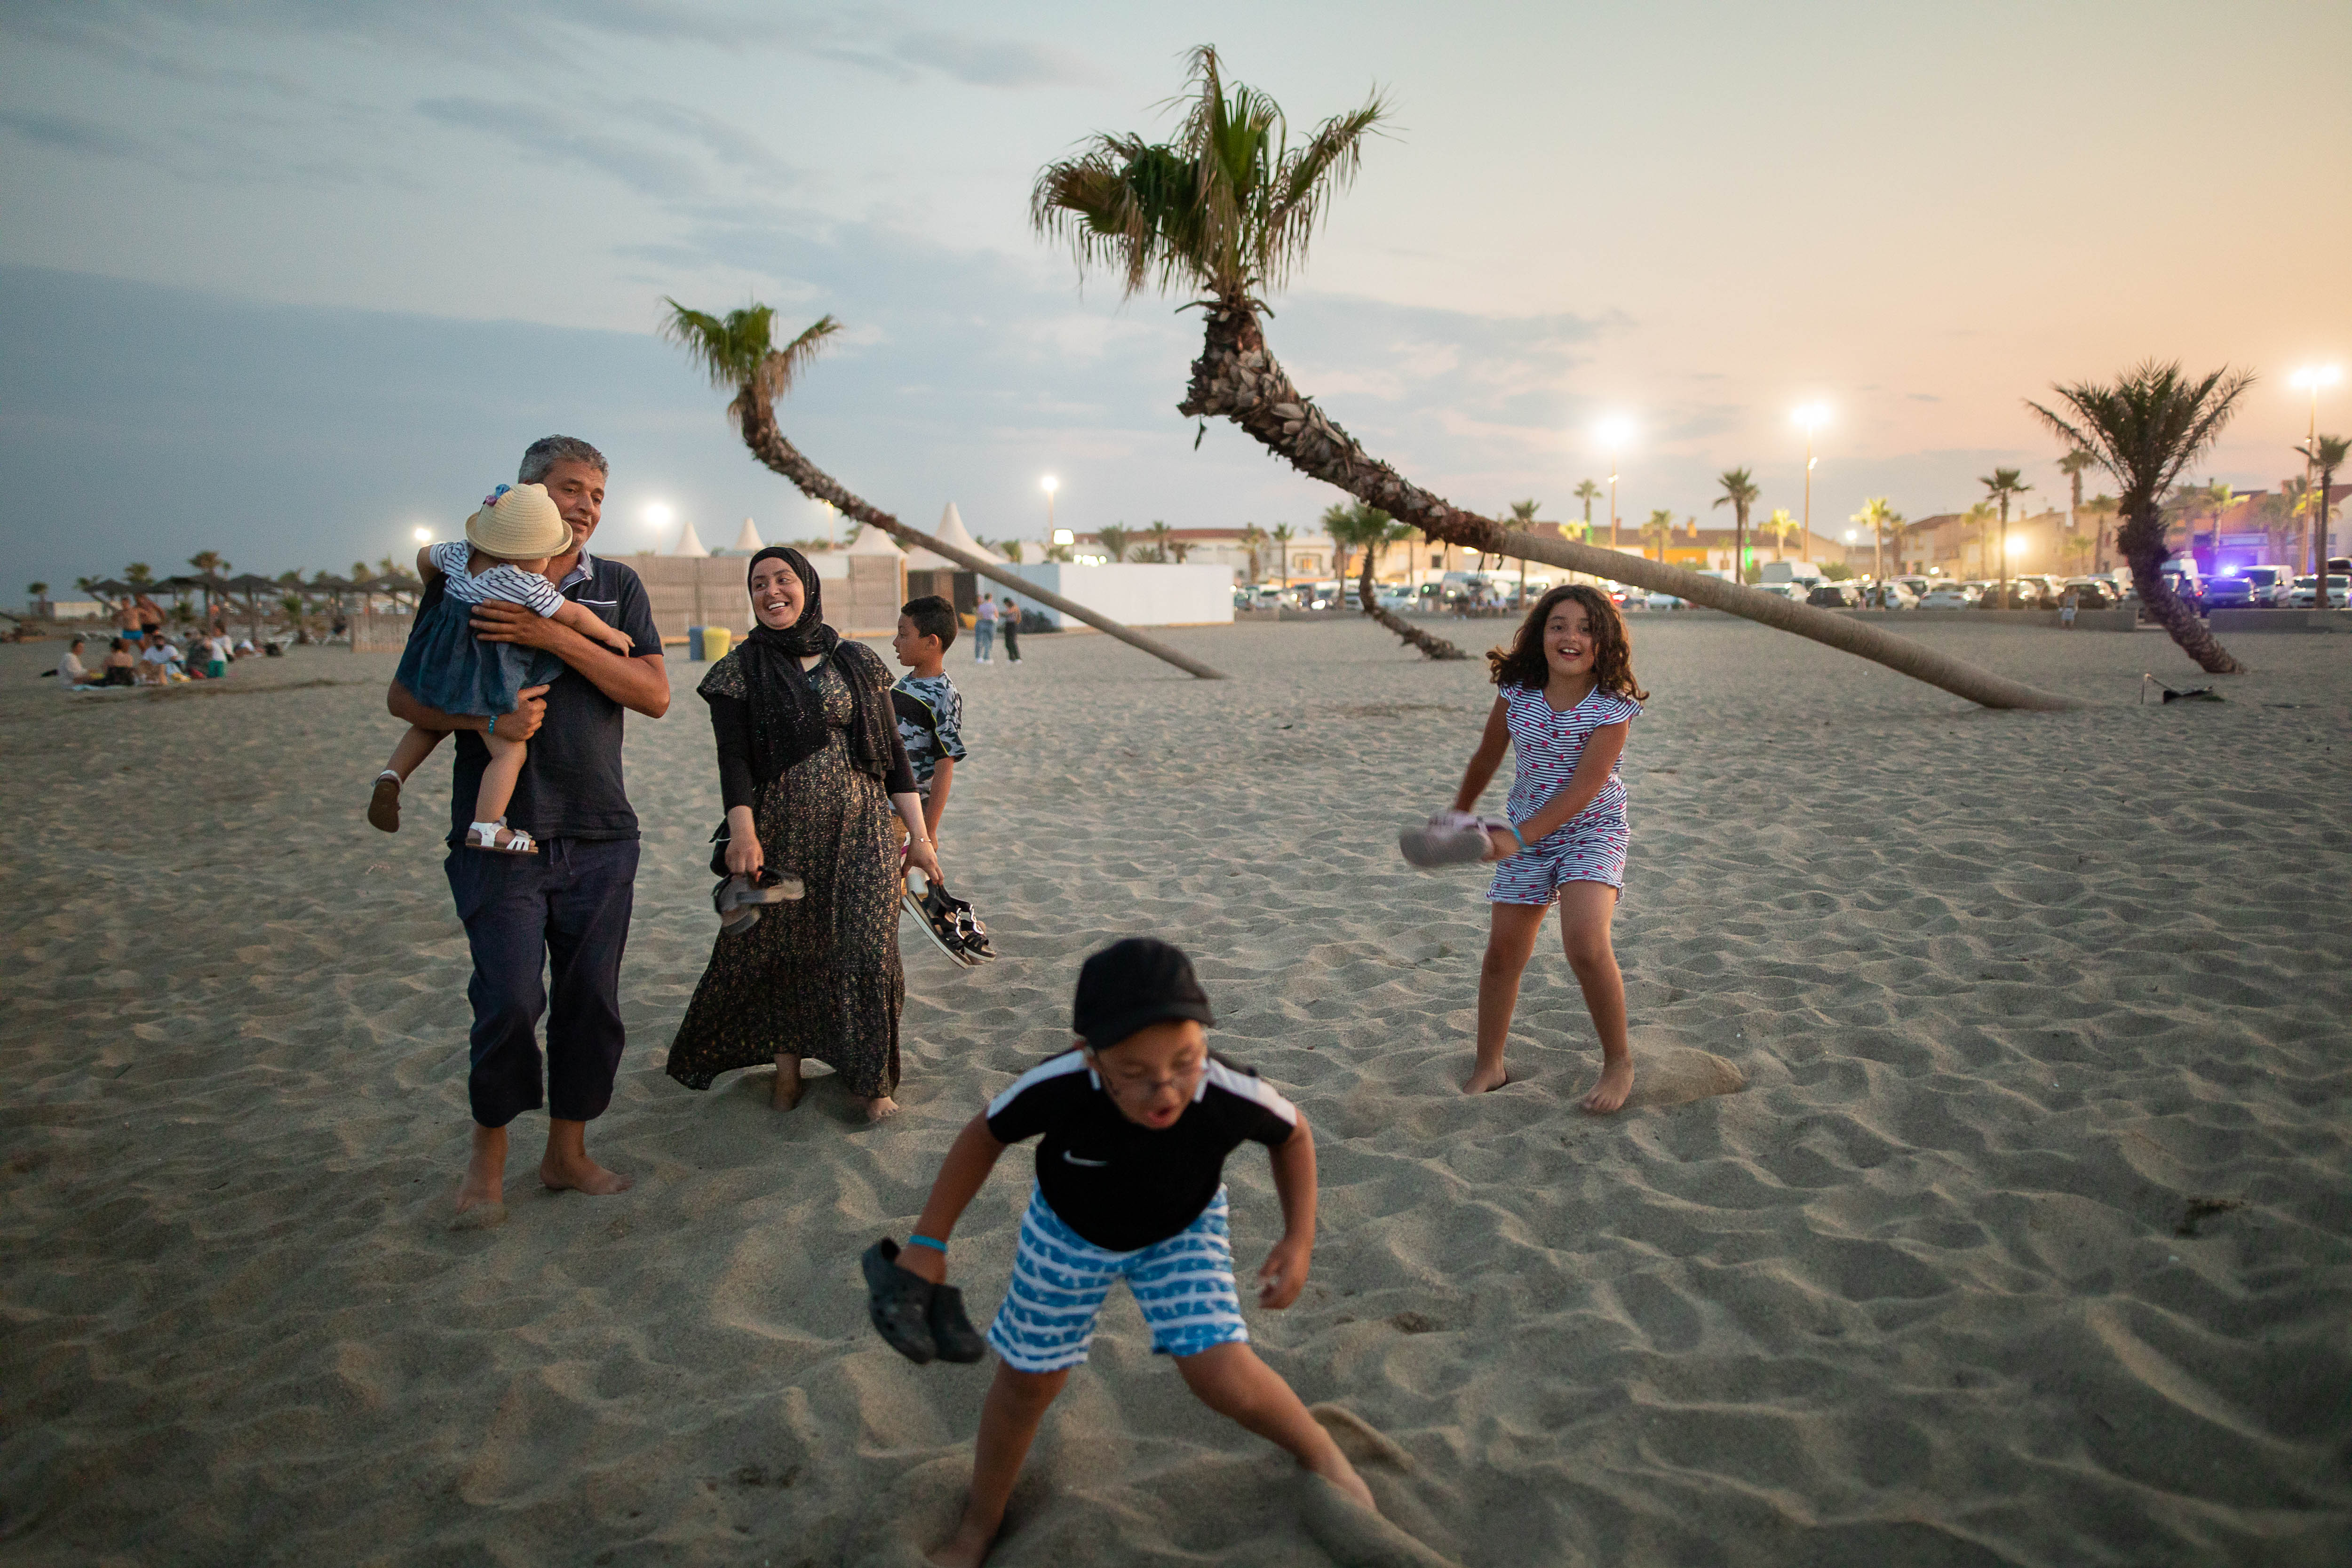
820 976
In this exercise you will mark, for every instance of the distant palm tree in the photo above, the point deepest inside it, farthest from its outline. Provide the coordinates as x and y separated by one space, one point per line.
1114 540
1158 534
2218 495
2327 455
2003 484
1739 493
2071 465
1880 519
1588 492
1660 527
2101 509
1225 211
2144 428
1360 527
1009 549
1979 517
1781 525
139 574
1282 536
1254 541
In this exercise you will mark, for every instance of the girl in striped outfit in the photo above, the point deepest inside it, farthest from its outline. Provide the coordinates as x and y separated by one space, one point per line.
1569 700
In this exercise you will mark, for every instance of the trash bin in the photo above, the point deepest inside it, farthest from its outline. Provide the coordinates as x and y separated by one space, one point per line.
714 643
694 643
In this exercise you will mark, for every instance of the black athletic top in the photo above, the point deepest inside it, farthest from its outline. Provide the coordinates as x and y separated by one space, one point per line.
1121 1184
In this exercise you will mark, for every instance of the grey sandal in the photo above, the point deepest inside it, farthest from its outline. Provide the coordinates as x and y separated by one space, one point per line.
1450 840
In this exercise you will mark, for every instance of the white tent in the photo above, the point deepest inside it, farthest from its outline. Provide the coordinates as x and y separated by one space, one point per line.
952 531
748 542
688 544
872 541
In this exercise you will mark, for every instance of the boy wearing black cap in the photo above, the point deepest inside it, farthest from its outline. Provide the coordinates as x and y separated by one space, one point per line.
1136 1122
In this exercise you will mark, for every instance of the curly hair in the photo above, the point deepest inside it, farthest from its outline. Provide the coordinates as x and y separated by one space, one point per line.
1522 664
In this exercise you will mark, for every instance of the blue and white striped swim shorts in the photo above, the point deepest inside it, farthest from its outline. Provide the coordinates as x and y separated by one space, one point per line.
1184 1285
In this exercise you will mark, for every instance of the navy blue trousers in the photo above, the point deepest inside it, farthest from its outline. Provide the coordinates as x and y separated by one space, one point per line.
565 909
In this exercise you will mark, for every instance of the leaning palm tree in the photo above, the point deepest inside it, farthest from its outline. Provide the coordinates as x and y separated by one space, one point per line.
1739 493
1226 211
2327 454
2144 428
2003 484
738 353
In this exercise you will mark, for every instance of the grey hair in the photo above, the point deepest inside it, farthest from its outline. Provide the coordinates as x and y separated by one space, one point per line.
549 450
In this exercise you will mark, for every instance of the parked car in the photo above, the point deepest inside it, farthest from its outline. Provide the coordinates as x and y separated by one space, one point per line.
1888 597
2268 587
1786 590
2305 596
2228 593
1834 596
2093 593
1946 597
1662 602
1976 589
1397 600
1919 587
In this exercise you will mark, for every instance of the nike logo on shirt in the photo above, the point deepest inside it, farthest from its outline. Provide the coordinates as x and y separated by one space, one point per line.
1090 1165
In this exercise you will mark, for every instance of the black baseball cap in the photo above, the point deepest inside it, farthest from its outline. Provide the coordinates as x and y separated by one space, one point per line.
1135 981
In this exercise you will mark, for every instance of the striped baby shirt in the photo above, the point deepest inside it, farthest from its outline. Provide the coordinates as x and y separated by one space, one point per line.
504 581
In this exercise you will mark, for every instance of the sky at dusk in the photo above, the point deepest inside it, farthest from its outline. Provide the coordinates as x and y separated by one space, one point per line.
290 281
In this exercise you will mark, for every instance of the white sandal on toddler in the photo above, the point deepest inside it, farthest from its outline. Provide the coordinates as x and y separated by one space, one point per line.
1453 838
485 836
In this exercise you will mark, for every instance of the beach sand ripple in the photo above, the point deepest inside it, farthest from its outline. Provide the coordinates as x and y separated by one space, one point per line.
1984 1196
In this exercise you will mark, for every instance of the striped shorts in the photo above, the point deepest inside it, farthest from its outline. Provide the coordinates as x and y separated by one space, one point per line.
1184 1285
1587 849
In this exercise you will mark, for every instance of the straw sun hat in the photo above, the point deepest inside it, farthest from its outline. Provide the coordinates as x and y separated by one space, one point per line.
519 523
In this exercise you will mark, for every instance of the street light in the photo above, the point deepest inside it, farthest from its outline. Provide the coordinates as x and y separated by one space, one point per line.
2314 377
1811 415
1613 434
424 536
1049 484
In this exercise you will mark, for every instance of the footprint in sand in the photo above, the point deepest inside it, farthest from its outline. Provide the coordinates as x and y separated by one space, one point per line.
1393 1537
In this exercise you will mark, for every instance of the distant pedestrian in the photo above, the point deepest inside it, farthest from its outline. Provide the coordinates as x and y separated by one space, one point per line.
983 632
2066 604
1012 618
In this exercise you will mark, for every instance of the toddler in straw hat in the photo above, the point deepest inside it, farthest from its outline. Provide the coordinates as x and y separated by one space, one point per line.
508 543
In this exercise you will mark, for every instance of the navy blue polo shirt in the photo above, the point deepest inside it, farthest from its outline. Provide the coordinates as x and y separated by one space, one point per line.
571 786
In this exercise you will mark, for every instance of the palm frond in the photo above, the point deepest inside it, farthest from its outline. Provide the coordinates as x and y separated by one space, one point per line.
2149 424
727 348
776 370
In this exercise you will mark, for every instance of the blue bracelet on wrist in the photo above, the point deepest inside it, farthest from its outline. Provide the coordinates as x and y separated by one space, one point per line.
940 1247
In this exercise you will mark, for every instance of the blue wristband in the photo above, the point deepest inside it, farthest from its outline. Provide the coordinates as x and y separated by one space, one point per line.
940 1247
1515 833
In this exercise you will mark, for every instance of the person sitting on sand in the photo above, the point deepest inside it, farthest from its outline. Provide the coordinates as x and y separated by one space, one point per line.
810 771
1567 703
121 666
71 676
546 931
1137 1122
506 545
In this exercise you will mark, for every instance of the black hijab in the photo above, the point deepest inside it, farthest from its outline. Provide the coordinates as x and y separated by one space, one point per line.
787 718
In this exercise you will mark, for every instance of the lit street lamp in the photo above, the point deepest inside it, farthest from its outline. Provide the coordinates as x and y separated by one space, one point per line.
2314 377
1049 484
1614 434
1811 415
424 536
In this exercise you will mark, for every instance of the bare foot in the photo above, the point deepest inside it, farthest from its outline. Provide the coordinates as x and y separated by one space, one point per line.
1485 1078
1616 1083
789 1085
580 1174
967 1547
1333 1467
881 1107
485 1174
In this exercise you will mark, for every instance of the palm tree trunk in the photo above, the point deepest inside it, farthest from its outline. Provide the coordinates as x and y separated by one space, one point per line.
1236 378
767 443
2142 543
1431 645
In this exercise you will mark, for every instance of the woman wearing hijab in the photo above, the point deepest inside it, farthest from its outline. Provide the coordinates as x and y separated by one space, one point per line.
811 768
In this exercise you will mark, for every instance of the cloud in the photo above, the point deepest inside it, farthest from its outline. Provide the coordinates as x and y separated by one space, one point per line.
639 167
997 62
70 133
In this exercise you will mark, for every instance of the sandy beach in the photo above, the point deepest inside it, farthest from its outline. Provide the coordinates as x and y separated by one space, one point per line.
1985 1197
